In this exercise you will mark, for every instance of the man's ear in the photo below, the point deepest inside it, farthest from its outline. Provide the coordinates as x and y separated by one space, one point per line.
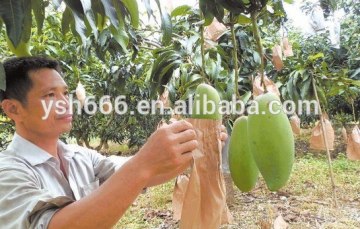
11 108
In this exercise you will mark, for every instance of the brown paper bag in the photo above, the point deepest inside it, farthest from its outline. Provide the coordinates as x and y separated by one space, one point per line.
164 100
179 194
258 89
344 135
215 30
204 204
277 58
287 47
295 124
353 146
317 141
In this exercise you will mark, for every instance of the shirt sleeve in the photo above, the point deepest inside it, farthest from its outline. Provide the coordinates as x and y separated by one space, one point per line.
24 204
104 167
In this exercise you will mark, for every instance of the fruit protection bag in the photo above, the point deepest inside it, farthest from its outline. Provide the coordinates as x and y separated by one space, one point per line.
317 140
277 57
295 124
287 47
258 88
204 196
181 184
353 144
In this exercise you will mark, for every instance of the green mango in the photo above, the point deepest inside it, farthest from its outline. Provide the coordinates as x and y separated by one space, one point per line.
271 141
206 104
243 169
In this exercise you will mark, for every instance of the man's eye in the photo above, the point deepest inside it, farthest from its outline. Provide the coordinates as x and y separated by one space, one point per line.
66 93
50 95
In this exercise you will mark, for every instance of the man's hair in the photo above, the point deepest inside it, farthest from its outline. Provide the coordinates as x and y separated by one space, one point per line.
18 82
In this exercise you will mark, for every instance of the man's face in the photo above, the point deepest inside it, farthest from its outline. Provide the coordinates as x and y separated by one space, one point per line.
47 110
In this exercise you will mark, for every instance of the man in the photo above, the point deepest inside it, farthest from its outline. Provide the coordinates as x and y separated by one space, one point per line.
45 183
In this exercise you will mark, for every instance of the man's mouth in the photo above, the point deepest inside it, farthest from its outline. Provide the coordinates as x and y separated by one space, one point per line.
67 117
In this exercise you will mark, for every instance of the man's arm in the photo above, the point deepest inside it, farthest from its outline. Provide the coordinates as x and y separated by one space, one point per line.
104 207
166 150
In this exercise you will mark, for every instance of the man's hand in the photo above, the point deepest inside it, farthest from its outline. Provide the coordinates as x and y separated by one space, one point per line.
162 178
168 149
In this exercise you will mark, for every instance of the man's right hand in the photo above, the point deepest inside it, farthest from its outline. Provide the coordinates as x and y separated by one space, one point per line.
168 149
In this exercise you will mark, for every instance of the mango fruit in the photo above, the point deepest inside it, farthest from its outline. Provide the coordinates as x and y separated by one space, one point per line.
23 48
271 141
206 104
243 169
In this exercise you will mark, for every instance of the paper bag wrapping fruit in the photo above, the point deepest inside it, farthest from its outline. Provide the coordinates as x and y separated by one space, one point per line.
200 200
277 58
287 47
258 88
215 30
344 135
295 124
317 140
181 184
353 144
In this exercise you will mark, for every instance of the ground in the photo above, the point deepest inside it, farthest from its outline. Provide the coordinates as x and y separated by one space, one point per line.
305 202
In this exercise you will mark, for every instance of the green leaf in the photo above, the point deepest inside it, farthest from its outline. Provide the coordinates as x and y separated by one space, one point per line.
193 82
78 13
245 97
97 7
120 9
26 33
181 11
75 6
289 1
355 82
355 73
312 58
38 8
219 12
205 8
305 88
67 18
57 3
86 4
121 37
111 12
2 77
166 25
132 7
321 94
243 20
148 8
80 27
13 14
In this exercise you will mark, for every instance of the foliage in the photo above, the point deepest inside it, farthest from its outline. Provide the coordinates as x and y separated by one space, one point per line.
181 65
111 74
82 17
335 72
117 59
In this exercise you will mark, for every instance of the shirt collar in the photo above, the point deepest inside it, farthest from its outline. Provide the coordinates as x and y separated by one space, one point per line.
34 154
65 150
